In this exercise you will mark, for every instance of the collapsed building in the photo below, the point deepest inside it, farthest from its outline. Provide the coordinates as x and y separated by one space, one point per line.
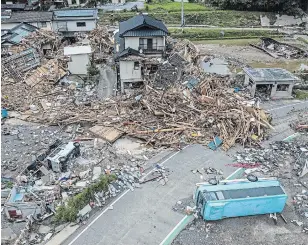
274 83
277 49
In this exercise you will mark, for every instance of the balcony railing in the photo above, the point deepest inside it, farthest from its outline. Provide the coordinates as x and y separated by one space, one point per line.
146 49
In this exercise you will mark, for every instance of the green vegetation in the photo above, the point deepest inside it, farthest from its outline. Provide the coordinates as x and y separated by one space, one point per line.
69 212
291 66
175 7
206 33
212 18
301 94
302 40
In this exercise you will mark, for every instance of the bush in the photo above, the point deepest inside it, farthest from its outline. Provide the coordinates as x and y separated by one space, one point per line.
69 212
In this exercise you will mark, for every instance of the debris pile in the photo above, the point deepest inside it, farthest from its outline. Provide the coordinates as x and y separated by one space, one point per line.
100 40
33 192
42 40
287 161
277 49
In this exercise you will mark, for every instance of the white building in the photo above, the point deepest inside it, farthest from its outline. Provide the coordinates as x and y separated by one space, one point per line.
11 19
276 83
138 38
118 1
70 21
73 3
79 59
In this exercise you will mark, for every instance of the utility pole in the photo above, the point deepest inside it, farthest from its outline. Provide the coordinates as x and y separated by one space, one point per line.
182 14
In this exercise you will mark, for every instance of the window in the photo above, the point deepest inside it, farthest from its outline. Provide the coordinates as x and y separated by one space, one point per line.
73 1
80 24
282 87
136 65
44 24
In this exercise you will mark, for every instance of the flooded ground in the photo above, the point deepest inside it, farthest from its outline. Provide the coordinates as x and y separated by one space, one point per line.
217 66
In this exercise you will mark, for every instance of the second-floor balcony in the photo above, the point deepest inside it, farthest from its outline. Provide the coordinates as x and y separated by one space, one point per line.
151 49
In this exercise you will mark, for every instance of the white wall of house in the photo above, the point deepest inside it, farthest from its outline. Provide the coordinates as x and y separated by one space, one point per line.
70 2
44 25
133 42
71 25
128 73
79 64
118 1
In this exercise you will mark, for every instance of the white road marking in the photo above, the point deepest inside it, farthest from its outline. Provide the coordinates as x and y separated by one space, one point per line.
162 163
277 108
178 224
115 201
106 209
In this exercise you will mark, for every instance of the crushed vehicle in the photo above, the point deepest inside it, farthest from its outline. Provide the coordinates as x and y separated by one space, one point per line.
240 197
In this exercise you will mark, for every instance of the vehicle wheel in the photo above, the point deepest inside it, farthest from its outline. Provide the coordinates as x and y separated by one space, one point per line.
62 159
76 144
252 178
213 181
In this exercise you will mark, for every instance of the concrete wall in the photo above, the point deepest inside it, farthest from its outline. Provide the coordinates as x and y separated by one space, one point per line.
274 92
118 1
8 26
282 94
71 25
128 73
69 2
133 42
79 64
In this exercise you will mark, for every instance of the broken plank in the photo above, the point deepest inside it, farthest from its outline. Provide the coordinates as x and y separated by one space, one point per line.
109 134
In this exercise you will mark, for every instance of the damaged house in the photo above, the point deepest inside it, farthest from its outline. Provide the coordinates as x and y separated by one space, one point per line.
141 43
274 83
71 21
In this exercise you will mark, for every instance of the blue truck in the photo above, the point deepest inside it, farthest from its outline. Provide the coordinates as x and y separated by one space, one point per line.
239 198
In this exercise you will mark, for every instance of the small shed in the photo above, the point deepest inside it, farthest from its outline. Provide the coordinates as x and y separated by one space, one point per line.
79 59
276 82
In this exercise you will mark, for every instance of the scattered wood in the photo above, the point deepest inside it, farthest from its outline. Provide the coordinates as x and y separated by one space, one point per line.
107 133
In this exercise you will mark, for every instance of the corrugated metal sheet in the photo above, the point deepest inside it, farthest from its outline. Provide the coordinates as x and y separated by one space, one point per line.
145 33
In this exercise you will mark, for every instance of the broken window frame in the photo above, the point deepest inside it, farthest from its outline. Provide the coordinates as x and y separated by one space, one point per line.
136 65
81 24
282 87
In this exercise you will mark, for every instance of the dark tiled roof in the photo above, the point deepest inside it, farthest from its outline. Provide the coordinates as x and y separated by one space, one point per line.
127 52
28 16
144 33
140 21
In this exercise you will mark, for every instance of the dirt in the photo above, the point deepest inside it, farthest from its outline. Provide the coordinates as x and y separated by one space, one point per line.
241 231
245 54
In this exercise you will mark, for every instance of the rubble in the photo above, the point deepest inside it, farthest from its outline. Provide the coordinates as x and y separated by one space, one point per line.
286 161
277 49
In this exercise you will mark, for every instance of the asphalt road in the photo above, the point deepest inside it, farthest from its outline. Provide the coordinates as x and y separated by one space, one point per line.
145 215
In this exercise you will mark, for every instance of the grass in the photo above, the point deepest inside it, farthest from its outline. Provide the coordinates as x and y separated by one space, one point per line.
291 66
69 212
175 7
302 40
206 33
219 18
301 94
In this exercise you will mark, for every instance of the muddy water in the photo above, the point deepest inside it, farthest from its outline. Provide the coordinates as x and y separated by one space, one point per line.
216 65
